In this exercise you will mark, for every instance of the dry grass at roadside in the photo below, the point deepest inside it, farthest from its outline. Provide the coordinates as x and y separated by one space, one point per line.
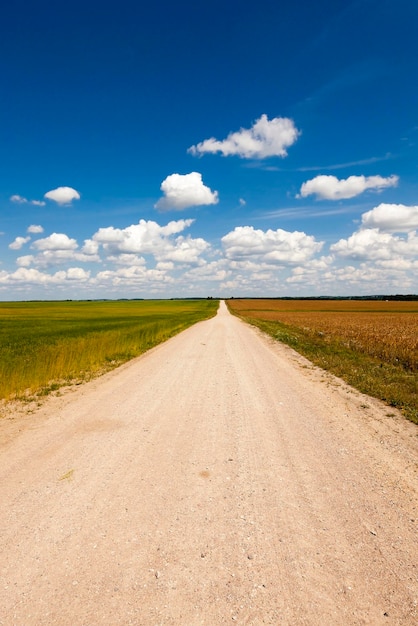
373 345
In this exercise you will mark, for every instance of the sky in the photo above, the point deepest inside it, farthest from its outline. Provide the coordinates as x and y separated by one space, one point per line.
227 149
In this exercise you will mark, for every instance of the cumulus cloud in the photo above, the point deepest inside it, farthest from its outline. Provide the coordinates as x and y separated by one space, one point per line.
25 261
24 275
214 271
35 229
327 187
127 259
62 195
133 276
77 273
21 200
33 276
392 218
376 240
18 199
371 244
58 248
310 272
165 265
148 237
266 138
275 246
399 264
185 250
182 191
367 278
18 243
147 258
56 241
90 247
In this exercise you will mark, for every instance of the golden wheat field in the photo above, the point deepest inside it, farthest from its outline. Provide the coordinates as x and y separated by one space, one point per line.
387 330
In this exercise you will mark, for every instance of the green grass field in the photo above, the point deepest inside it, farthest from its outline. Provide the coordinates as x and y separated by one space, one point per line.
45 345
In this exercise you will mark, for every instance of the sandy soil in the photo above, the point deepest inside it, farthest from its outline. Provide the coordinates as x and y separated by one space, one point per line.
218 479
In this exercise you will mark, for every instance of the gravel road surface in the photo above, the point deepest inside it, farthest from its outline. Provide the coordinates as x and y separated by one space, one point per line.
218 479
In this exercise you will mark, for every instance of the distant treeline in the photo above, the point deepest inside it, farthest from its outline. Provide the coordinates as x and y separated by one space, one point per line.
402 297
397 297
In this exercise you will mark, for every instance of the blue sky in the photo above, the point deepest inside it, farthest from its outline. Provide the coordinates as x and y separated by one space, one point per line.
227 148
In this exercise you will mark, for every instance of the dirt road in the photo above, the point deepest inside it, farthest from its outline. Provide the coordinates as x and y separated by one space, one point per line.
218 479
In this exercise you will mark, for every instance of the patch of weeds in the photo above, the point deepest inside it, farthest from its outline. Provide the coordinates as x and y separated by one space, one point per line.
25 398
48 389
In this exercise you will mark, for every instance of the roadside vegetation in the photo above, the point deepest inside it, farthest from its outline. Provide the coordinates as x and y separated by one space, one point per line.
372 345
46 345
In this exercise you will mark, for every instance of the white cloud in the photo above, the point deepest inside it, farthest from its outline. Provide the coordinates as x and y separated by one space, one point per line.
371 244
391 218
127 259
58 248
62 195
266 138
276 246
165 266
18 243
122 246
133 276
185 250
398 264
48 258
327 187
53 257
367 278
90 247
35 229
56 241
376 241
246 265
368 243
25 261
24 275
147 259
77 273
33 276
148 237
182 191
214 271
18 199
311 272
21 200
